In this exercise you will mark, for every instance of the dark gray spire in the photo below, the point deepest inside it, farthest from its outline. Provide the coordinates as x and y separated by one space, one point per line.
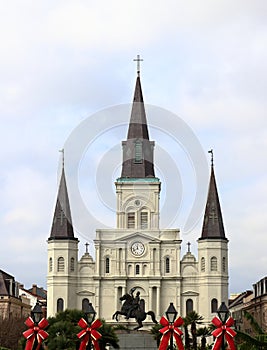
138 150
213 222
62 224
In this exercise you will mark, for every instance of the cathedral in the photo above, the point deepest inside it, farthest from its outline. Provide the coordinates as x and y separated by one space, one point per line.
138 254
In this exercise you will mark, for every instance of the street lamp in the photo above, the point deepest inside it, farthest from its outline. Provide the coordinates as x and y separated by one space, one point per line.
37 313
90 314
223 314
171 314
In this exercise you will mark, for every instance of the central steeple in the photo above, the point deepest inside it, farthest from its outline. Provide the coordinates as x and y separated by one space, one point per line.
138 150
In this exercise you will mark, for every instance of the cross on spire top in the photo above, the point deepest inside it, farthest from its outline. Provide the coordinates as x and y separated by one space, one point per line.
86 247
63 158
138 60
211 152
188 245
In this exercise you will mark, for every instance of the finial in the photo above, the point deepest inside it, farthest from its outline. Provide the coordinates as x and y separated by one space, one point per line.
62 151
188 245
138 60
211 152
86 247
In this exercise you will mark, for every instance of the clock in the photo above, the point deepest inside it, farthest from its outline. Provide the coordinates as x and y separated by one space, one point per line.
137 248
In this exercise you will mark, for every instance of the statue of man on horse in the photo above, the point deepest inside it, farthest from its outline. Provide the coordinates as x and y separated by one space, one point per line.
132 308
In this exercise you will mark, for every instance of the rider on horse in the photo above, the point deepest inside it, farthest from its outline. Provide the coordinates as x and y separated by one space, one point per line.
135 303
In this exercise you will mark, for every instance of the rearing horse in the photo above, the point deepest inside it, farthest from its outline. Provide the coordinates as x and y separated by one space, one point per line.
138 314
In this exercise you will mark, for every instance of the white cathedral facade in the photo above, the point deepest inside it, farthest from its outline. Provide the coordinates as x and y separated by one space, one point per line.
138 253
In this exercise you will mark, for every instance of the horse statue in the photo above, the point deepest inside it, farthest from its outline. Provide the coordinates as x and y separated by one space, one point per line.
131 308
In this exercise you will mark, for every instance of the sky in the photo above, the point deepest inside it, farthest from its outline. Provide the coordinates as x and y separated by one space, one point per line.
68 65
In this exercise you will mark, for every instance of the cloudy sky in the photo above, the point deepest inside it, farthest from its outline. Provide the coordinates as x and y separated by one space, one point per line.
64 62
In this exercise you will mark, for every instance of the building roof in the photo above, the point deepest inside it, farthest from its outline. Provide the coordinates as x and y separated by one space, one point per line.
138 150
62 223
213 221
6 283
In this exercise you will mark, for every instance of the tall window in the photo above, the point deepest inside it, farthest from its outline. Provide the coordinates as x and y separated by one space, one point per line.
72 264
131 220
137 269
214 305
144 220
107 265
60 264
203 264
189 306
85 304
50 264
138 152
60 305
213 263
167 265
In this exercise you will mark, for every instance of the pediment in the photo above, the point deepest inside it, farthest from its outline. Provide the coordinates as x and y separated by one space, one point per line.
190 293
137 235
86 293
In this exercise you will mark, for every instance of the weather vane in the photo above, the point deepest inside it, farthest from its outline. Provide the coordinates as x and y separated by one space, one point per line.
138 60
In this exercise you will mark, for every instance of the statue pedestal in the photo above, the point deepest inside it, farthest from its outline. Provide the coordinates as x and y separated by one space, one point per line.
136 340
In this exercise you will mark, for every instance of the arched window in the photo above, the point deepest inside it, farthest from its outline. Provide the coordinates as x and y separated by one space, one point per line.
203 264
213 263
131 220
60 305
107 265
72 267
214 305
85 304
50 264
167 265
60 264
223 264
137 269
144 220
189 306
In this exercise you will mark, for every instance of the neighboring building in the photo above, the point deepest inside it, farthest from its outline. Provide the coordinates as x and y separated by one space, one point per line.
35 295
11 304
254 302
138 253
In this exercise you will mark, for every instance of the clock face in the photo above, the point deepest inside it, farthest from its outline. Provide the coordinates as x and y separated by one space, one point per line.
137 248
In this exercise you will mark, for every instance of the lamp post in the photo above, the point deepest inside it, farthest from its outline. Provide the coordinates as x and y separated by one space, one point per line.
37 313
90 314
171 314
223 314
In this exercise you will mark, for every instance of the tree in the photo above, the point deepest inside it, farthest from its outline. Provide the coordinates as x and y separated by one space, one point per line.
193 318
63 330
246 341
11 331
203 332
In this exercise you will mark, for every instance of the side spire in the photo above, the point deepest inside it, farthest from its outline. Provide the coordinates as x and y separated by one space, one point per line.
62 223
213 221
138 151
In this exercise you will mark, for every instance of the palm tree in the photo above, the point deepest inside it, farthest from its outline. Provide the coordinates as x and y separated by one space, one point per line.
193 318
203 332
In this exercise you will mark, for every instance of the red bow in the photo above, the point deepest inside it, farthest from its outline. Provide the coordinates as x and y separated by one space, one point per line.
35 332
223 330
89 332
169 329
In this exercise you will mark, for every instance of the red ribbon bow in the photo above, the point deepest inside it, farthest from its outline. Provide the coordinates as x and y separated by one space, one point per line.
169 329
89 332
35 332
223 330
